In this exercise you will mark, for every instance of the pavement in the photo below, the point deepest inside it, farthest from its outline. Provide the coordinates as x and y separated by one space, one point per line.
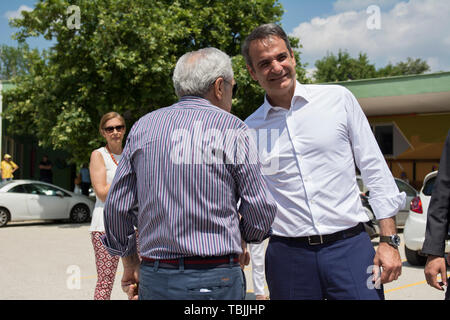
55 261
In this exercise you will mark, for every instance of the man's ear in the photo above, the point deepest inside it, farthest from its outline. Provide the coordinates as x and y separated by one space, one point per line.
252 72
218 88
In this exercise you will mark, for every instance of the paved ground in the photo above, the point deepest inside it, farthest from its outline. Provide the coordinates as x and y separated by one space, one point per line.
54 261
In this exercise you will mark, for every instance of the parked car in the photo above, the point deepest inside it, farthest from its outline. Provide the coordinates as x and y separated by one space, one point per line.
411 193
415 226
22 200
370 226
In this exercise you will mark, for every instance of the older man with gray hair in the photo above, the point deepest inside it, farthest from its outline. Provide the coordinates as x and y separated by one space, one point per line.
183 171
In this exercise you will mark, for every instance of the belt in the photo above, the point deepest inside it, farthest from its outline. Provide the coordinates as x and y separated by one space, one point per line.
195 262
327 238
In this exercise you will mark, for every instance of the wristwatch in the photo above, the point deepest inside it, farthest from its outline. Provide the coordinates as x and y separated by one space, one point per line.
393 240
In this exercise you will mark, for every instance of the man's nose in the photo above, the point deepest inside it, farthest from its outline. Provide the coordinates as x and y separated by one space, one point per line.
276 66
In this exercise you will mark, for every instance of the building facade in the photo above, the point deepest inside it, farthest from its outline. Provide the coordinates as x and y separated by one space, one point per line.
410 118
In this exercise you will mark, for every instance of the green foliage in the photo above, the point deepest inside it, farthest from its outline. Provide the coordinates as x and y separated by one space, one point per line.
411 66
121 59
343 67
14 61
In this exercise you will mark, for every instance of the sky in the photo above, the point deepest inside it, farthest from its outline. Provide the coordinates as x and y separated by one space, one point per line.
388 31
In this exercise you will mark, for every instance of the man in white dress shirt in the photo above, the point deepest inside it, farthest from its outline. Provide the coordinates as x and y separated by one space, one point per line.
310 137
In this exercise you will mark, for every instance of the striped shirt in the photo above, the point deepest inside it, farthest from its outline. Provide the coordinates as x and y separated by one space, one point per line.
184 169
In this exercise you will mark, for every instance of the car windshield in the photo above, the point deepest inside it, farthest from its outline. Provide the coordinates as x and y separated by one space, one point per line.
428 187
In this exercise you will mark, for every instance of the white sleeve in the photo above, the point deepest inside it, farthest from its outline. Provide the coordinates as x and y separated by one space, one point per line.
385 198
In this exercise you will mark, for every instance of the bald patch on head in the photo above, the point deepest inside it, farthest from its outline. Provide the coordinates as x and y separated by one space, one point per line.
193 57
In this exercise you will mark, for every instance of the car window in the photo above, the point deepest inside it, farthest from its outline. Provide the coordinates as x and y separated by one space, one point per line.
428 187
18 189
32 189
46 190
403 187
41 189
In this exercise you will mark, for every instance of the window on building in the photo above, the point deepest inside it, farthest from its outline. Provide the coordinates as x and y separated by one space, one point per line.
390 139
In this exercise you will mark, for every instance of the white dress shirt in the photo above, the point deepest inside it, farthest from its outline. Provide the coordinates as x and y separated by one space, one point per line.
308 155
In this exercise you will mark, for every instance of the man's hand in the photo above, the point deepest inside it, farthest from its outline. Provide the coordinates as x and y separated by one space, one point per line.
436 265
244 257
130 278
387 256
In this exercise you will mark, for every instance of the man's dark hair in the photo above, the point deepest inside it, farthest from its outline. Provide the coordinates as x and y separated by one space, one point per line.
263 32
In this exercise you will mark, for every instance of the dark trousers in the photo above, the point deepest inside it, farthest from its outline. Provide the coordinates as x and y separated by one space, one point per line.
85 188
225 283
341 270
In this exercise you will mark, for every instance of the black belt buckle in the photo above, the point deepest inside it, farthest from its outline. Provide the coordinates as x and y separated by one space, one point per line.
315 240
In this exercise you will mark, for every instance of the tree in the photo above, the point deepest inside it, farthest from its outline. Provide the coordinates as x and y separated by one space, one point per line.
121 58
343 67
14 61
411 66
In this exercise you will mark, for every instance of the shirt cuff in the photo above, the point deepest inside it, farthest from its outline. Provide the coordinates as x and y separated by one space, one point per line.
249 239
387 207
128 250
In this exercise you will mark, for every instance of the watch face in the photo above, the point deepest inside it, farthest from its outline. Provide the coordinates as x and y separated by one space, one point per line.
396 240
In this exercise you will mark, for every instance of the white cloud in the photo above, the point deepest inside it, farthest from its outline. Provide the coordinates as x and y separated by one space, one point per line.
417 28
17 13
351 5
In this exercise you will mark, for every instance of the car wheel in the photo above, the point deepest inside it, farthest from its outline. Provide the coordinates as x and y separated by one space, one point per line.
4 217
414 258
80 213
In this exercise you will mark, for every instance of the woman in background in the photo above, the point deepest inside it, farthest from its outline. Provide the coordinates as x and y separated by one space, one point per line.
102 168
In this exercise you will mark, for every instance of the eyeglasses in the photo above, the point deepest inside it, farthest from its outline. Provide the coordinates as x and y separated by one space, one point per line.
111 129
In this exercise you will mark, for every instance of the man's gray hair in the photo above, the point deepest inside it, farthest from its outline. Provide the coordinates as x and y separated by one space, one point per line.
263 32
196 71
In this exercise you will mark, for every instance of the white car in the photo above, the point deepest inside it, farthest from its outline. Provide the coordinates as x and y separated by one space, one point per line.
22 200
402 186
416 223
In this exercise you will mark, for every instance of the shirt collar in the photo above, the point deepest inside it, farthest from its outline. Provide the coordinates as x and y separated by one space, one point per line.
195 98
300 91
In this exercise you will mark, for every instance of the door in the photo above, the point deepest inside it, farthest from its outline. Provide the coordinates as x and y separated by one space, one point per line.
47 202
15 200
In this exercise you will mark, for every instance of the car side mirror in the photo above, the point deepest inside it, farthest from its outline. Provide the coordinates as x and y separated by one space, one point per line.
59 194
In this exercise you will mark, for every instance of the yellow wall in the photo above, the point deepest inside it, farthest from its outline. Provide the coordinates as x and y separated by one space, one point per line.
429 127
426 134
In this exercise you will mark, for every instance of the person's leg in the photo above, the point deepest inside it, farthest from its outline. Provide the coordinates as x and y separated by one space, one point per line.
292 271
85 188
106 268
257 252
346 266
